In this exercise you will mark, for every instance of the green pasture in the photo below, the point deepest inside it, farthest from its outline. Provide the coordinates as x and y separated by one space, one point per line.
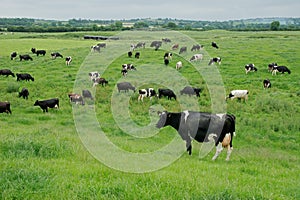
44 155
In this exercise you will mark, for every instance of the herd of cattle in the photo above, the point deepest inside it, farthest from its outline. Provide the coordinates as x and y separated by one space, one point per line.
203 127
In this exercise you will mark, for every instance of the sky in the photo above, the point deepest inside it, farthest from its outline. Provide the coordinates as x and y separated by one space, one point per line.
211 10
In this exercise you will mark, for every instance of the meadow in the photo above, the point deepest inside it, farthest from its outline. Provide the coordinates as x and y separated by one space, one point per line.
46 156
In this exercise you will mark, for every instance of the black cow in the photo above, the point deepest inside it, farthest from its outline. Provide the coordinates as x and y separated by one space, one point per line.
25 57
148 92
24 93
196 47
13 55
182 49
166 40
156 44
45 104
55 55
137 55
5 107
76 98
126 86
267 83
215 60
124 72
280 69
166 93
140 45
250 68
6 72
24 76
168 55
166 61
87 94
213 44
38 52
191 91
129 54
203 127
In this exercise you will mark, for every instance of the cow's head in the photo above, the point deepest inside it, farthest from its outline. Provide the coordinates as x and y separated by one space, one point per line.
36 103
162 119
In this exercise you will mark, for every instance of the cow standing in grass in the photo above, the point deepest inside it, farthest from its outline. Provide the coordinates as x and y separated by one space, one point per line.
45 104
5 107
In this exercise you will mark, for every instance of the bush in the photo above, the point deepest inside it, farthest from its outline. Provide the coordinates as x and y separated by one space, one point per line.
12 87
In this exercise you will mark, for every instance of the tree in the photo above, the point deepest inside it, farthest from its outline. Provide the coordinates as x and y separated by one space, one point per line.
275 25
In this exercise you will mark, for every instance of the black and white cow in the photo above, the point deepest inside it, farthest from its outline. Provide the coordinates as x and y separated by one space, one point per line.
25 57
166 93
137 55
49 103
124 72
178 65
5 107
101 81
128 66
38 52
94 75
87 94
280 69
126 86
95 48
239 94
166 61
13 55
214 44
68 60
191 91
140 45
24 76
55 55
6 72
196 57
215 60
129 54
182 50
250 68
203 127
270 66
148 92
76 98
267 83
24 93
168 55
196 47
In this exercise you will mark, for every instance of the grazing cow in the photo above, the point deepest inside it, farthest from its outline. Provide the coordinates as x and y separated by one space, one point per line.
76 98
213 44
5 107
168 55
166 93
129 54
178 65
38 52
175 46
191 91
54 55
270 66
156 44
196 47
240 94
24 93
140 45
95 48
101 45
215 60
203 127
250 68
137 55
13 55
267 83
166 40
25 57
280 69
68 60
125 86
197 57
45 104
87 94
148 92
124 72
101 81
94 75
6 72
24 76
128 67
166 61
182 50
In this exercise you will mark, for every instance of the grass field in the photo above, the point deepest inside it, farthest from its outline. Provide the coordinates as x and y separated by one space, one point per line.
45 156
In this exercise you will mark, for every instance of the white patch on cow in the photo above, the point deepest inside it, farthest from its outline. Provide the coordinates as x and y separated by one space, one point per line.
186 114
56 106
234 134
221 115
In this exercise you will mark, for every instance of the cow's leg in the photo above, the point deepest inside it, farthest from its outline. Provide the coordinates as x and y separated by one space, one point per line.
188 145
219 149
229 150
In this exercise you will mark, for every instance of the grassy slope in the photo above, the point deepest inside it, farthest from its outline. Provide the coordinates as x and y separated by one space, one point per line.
43 158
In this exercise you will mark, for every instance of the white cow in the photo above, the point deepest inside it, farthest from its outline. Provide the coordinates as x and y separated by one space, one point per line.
241 94
178 65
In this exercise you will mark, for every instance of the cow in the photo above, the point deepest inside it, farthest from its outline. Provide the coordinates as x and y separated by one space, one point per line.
76 98
94 75
148 92
250 68
196 47
168 55
203 127
175 46
129 54
126 86
140 45
128 66
38 52
267 83
101 45
95 48
68 60
270 66
182 50
24 76
240 94
156 44
214 44
166 61
13 55
166 93
5 107
87 94
101 81
280 69
191 91
6 72
55 55
24 93
166 40
215 60
178 65
137 55
124 72
25 57
197 57
49 103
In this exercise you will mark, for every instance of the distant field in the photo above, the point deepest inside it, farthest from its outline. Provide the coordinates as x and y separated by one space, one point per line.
42 155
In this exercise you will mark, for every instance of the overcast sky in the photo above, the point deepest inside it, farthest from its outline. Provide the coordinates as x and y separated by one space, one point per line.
130 9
